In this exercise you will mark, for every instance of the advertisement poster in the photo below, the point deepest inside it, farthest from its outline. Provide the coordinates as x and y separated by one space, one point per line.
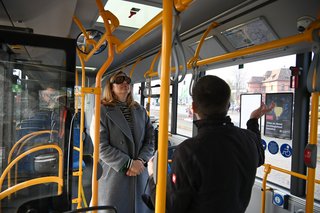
278 122
248 103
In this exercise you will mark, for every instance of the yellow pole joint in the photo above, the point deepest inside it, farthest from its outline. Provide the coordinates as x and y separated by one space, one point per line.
91 90
181 5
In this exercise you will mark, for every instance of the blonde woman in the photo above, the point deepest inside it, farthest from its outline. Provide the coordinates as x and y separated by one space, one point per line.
126 144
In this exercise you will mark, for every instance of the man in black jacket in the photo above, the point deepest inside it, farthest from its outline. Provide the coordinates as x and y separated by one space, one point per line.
215 170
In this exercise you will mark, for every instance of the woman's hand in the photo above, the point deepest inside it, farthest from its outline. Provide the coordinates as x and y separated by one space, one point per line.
136 168
262 110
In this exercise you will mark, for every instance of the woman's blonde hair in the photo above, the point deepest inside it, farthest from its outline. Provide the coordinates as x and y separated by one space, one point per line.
109 98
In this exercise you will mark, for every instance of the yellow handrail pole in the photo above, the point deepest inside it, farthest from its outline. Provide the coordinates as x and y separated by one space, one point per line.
28 183
89 41
153 23
155 59
83 80
83 30
267 169
76 95
28 136
134 67
295 174
97 124
18 153
305 36
164 103
205 34
103 68
50 146
76 148
100 42
106 15
311 172
146 76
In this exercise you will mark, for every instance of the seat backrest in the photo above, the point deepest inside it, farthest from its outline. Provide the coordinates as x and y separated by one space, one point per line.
111 209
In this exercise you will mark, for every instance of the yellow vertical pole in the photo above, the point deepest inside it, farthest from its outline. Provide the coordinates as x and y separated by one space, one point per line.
83 80
164 109
76 95
148 104
267 170
97 124
311 173
96 142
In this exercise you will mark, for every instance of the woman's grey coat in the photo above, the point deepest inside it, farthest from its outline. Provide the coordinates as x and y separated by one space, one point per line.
117 146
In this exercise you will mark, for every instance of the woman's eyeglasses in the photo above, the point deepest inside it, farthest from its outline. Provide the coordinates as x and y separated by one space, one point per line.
121 79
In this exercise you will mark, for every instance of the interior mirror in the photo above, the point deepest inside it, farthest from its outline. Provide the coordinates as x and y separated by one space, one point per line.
86 45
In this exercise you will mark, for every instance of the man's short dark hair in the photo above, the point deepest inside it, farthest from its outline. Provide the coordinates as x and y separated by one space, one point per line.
211 96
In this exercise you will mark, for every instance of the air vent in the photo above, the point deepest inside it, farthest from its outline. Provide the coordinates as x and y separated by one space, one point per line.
16 29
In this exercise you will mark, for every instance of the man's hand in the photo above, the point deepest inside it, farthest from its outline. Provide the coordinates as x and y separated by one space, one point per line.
262 110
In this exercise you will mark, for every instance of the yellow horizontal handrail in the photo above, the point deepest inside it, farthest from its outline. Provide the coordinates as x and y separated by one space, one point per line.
36 181
306 36
134 67
25 139
195 58
267 170
76 148
153 23
32 134
295 174
148 72
35 149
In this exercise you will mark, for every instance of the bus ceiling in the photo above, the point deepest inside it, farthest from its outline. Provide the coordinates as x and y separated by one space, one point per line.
276 20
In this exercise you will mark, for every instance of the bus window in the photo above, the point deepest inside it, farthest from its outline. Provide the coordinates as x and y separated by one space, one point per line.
267 76
136 92
185 115
155 102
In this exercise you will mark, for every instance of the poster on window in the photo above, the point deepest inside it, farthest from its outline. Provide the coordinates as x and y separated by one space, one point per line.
248 103
278 122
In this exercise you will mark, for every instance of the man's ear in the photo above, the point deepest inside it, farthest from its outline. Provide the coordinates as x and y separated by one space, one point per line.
195 111
194 107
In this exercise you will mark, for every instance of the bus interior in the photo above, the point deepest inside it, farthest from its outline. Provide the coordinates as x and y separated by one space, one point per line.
55 57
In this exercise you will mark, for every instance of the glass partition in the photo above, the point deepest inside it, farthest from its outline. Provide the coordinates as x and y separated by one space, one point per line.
35 117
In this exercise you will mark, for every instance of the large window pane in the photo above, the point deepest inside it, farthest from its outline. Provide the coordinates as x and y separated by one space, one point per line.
267 76
185 115
136 92
155 102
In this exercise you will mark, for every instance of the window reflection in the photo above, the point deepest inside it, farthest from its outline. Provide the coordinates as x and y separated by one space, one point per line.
185 114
